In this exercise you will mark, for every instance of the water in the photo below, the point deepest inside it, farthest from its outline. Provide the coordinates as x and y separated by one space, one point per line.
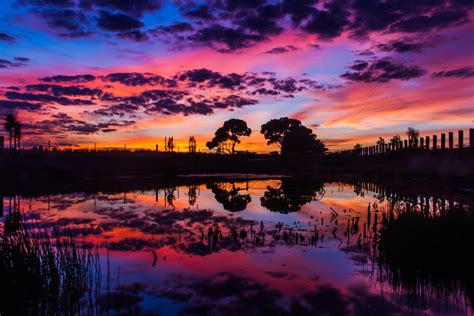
283 246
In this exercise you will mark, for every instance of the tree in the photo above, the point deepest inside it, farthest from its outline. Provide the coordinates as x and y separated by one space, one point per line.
192 145
228 136
292 136
17 135
9 125
395 139
231 200
413 135
291 195
276 129
381 141
358 149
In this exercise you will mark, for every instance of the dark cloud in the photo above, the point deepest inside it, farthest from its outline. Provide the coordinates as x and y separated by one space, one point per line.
201 12
328 23
64 90
118 22
122 109
17 62
68 19
135 35
134 7
382 70
249 22
6 105
13 95
402 46
22 59
225 39
63 123
178 28
463 72
425 23
282 49
6 38
138 79
75 79
55 3
211 78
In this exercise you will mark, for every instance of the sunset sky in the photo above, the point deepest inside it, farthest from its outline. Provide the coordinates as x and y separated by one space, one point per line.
113 72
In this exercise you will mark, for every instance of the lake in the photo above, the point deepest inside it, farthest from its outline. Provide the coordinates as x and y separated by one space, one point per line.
278 246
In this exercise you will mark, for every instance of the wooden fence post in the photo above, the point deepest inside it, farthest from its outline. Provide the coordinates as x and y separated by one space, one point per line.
471 137
460 139
427 142
443 141
451 140
435 142
422 143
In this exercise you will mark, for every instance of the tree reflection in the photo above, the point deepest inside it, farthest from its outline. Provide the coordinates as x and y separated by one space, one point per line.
231 200
291 195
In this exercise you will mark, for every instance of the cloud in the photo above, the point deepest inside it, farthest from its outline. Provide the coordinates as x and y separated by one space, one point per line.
64 90
437 20
281 49
133 7
382 70
402 46
45 98
75 78
138 79
67 19
118 22
17 62
463 72
7 38
6 105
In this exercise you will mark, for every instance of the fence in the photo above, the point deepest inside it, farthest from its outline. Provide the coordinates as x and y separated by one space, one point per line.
421 143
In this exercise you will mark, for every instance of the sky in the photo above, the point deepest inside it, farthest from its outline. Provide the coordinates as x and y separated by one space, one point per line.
131 72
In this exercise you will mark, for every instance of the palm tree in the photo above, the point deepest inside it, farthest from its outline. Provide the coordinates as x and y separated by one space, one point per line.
17 135
9 125
413 135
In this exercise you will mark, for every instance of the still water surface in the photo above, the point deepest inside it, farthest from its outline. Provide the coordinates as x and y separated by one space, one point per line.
243 247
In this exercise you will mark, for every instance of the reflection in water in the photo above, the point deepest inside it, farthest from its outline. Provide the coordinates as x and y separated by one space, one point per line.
291 195
284 246
230 198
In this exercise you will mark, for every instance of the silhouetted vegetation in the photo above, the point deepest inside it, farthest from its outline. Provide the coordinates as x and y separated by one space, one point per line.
291 195
231 200
14 129
47 275
422 254
292 137
227 136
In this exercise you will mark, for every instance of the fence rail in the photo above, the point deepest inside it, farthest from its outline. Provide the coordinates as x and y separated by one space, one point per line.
421 143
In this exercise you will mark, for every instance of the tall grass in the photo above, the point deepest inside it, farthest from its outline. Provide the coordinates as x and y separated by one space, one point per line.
47 273
426 256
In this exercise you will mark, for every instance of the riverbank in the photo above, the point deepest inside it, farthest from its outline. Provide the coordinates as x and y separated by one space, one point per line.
66 168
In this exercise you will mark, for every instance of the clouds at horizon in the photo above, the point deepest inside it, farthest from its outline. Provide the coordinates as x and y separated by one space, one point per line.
137 69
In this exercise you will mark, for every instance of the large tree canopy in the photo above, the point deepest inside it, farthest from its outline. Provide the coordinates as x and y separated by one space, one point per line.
227 136
292 136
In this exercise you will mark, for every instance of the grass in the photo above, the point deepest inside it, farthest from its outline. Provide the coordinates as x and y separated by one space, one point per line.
44 274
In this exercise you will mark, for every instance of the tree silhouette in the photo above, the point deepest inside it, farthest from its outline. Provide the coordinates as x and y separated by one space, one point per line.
291 195
13 128
395 139
358 149
381 141
413 135
231 200
227 136
192 145
292 136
